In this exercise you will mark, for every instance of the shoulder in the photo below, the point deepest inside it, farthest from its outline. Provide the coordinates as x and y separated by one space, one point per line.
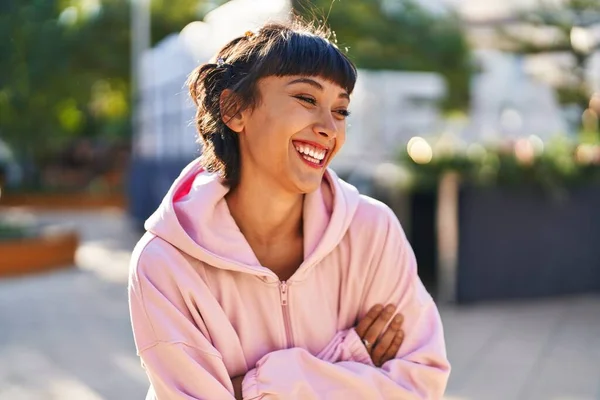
373 209
374 216
372 220
154 259
367 212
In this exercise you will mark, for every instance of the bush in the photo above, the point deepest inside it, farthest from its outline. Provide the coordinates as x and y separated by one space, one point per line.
557 165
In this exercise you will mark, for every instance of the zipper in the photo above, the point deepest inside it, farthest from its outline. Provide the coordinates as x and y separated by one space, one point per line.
283 291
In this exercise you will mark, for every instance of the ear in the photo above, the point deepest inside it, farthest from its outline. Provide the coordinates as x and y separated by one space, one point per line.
230 114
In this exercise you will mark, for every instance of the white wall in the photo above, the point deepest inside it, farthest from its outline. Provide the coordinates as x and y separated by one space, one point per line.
507 103
388 108
166 111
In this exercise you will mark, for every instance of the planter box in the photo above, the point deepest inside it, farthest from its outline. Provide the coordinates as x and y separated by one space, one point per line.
523 243
38 254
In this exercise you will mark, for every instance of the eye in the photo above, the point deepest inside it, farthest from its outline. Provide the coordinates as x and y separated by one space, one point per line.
343 113
306 99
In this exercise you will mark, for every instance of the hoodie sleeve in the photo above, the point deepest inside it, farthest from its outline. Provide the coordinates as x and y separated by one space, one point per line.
178 359
420 370
346 345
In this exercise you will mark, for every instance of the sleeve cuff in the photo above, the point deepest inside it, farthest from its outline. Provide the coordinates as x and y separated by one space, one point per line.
250 385
356 349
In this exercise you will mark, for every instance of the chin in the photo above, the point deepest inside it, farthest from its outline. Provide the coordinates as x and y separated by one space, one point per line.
305 179
308 184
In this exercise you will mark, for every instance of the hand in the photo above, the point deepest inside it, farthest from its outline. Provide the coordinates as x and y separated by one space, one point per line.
382 346
237 386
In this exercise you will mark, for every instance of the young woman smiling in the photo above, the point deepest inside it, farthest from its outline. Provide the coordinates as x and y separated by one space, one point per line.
262 275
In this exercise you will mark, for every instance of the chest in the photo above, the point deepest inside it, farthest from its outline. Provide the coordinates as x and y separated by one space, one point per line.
261 314
282 258
265 314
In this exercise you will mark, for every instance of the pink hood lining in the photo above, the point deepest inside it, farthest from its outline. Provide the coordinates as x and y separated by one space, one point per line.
194 217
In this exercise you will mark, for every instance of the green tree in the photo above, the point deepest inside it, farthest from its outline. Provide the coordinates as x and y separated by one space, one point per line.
566 25
65 68
34 92
400 35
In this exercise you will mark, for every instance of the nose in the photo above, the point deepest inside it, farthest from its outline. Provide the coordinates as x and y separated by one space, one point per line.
326 126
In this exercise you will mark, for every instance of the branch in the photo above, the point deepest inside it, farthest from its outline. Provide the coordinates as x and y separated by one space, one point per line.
516 43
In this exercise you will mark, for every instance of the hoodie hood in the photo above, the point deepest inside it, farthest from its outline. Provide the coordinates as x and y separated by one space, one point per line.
195 218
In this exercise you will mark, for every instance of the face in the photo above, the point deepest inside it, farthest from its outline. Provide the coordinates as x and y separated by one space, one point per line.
294 132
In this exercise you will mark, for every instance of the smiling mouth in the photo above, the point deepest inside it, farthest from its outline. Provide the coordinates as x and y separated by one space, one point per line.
312 155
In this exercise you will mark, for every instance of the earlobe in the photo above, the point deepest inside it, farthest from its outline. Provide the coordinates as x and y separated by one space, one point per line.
230 114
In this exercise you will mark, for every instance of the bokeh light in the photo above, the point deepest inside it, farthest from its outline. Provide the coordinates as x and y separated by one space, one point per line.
589 119
524 151
537 143
476 151
511 120
586 154
419 150
595 102
581 39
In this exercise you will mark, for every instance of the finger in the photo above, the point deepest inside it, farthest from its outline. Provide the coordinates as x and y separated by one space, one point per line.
391 352
368 319
376 328
384 343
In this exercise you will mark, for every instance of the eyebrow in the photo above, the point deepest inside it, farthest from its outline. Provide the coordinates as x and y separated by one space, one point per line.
316 85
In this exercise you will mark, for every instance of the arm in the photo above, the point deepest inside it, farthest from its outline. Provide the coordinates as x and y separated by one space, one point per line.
384 343
346 345
420 369
177 372
179 360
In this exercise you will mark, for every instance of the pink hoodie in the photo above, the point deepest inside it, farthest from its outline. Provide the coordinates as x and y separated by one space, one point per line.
204 310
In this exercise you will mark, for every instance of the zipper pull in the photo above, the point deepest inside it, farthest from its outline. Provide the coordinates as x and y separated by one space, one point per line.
283 287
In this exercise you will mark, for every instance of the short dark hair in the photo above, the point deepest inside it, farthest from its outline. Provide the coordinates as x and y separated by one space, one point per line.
275 49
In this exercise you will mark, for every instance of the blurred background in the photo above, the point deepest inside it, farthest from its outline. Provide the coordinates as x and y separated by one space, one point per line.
475 120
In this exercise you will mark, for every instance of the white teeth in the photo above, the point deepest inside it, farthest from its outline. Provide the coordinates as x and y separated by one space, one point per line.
312 160
310 153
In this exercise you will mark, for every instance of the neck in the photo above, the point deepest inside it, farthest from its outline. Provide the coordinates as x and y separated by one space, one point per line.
265 213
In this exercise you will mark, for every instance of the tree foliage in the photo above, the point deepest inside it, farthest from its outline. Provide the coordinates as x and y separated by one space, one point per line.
560 19
65 68
399 35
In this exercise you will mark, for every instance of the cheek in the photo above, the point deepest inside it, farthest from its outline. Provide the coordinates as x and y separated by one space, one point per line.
295 119
285 121
340 138
263 130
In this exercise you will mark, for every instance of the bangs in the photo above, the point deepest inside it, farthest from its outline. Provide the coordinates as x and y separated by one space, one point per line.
298 53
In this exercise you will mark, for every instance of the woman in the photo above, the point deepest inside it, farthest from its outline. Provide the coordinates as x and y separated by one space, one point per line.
262 274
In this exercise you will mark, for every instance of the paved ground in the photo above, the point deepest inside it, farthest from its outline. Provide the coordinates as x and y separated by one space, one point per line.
66 335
